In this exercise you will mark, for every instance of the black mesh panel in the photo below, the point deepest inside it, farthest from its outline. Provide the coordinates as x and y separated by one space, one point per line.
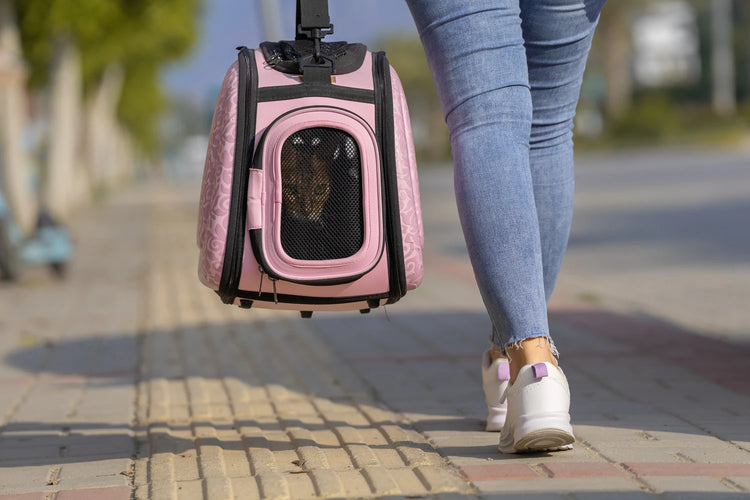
321 206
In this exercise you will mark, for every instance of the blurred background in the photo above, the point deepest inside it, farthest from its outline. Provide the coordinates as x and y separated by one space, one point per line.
96 95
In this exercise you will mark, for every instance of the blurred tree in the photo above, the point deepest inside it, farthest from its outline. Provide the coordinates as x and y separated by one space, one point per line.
407 57
65 119
13 165
724 82
138 35
106 54
614 38
742 34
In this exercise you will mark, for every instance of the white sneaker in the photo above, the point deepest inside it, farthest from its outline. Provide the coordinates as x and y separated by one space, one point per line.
495 378
538 417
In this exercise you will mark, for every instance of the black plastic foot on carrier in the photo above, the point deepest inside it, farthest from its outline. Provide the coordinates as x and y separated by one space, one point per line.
373 303
246 304
306 314
364 311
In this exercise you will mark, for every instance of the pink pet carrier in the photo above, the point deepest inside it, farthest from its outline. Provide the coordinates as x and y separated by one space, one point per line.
310 198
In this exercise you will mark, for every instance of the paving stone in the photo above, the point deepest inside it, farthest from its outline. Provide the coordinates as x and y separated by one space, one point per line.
685 484
141 360
122 493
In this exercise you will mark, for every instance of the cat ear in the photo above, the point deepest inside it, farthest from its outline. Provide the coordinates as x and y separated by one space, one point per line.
289 154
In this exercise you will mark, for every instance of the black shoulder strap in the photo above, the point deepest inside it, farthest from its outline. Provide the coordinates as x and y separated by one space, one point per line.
312 15
314 23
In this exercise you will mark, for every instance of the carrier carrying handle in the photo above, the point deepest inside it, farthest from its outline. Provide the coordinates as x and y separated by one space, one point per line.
313 21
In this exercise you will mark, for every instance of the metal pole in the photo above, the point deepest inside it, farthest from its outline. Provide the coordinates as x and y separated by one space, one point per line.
269 11
722 53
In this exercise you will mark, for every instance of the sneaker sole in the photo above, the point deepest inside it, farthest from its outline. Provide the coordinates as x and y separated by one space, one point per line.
545 440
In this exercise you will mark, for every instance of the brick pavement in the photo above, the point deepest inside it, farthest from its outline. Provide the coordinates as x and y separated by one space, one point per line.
129 380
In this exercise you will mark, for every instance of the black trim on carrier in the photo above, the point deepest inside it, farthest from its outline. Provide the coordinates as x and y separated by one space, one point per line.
291 56
246 114
372 300
284 92
385 134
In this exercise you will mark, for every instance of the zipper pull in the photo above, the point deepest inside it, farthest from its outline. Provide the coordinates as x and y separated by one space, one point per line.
260 285
275 297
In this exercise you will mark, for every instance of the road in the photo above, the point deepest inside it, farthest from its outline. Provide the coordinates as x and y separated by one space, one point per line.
129 379
659 233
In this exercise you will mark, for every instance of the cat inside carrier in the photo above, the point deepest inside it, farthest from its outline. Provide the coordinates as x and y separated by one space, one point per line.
310 198
321 209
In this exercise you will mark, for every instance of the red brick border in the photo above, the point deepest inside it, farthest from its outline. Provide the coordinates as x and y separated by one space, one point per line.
689 469
582 469
502 472
113 493
492 472
25 496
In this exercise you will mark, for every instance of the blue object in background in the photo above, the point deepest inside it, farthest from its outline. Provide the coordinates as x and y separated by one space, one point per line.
49 245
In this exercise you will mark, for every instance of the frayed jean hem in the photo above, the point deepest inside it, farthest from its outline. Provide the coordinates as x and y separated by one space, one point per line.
517 343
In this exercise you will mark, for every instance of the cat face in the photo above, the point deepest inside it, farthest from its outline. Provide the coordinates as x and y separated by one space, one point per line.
305 177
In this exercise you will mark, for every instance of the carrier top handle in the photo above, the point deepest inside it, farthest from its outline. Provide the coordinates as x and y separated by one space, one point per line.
313 23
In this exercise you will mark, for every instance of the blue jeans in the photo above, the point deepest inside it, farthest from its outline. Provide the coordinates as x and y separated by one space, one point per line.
508 74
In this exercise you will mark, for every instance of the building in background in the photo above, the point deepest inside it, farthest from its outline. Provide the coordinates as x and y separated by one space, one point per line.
666 45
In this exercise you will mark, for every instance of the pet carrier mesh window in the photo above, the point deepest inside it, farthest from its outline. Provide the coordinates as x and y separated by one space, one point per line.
321 209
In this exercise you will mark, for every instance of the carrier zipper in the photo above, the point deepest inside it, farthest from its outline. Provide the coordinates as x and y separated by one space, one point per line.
248 81
384 121
275 297
273 282
260 285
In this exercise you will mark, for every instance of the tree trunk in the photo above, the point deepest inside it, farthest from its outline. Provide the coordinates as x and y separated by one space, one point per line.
14 175
617 64
102 129
722 55
65 124
269 10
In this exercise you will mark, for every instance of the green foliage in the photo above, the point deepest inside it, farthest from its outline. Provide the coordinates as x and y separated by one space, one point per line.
138 35
87 22
663 118
407 57
650 118
141 101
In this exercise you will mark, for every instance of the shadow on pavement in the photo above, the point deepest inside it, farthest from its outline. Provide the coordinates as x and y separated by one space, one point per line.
273 374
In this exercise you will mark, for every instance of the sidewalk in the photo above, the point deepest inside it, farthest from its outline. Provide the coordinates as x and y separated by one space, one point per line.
131 380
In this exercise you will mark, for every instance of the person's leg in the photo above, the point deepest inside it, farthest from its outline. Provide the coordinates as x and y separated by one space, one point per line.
514 181
557 35
475 49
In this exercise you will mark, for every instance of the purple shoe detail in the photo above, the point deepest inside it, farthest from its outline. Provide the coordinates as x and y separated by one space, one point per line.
503 371
540 370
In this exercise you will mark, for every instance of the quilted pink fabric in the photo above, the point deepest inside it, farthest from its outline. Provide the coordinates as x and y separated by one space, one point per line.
412 232
217 183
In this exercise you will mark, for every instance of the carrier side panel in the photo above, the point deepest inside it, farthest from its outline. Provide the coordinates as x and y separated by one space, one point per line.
216 187
412 231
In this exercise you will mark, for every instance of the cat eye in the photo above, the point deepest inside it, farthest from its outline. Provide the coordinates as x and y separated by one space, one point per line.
321 189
